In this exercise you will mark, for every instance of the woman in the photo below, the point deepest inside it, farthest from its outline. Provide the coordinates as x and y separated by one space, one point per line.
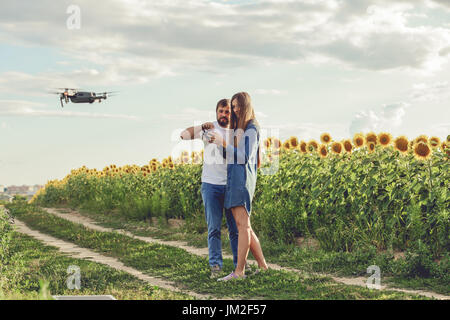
243 158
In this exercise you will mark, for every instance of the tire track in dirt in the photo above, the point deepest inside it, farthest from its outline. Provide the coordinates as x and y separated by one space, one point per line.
76 217
75 251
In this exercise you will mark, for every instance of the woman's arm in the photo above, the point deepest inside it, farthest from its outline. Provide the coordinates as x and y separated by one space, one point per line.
246 149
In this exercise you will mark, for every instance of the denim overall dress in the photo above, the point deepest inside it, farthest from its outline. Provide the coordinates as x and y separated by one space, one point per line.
242 168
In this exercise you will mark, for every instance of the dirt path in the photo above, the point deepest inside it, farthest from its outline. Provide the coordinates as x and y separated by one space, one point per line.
76 217
83 253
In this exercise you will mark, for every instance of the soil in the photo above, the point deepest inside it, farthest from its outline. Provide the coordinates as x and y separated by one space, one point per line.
83 253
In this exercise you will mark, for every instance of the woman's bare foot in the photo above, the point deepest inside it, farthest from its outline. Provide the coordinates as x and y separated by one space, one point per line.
263 267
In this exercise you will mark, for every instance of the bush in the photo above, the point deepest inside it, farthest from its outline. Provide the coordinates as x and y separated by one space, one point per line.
6 230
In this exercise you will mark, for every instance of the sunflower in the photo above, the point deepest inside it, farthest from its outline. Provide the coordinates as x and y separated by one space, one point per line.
276 143
197 159
323 151
445 147
293 141
434 142
286 145
422 138
312 145
371 137
422 150
348 147
185 154
336 147
359 140
401 144
325 138
267 143
371 146
385 139
302 146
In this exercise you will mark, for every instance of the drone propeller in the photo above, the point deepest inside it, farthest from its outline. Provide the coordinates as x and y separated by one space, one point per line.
109 92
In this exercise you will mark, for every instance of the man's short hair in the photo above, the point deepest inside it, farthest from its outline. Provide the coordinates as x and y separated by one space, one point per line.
223 103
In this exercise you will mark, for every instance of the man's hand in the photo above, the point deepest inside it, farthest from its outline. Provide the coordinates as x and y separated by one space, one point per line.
217 139
208 126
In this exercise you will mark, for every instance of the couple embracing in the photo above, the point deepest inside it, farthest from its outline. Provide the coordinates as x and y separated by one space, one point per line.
232 156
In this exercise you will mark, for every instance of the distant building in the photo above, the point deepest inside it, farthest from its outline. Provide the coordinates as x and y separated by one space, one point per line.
23 190
2 188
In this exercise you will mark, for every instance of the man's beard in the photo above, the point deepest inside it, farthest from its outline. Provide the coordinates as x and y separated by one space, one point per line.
223 121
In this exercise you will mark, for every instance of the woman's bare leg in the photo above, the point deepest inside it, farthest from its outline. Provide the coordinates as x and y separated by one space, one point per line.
256 249
243 224
247 241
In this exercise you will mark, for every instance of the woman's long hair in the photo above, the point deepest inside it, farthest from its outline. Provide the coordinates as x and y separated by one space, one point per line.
241 120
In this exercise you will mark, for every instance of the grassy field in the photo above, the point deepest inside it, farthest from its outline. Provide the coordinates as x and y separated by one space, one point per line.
191 272
38 272
403 270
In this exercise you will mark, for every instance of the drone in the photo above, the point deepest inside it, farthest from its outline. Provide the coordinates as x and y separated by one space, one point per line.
76 96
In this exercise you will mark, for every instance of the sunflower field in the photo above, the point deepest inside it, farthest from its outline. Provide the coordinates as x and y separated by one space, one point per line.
372 190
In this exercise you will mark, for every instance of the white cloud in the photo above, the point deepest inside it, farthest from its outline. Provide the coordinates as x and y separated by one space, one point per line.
260 115
430 92
439 130
388 118
134 41
445 4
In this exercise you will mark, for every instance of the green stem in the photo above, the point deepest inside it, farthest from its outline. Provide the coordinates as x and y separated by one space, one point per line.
430 176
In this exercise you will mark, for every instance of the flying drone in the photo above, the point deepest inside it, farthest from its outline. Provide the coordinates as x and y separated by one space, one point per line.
76 96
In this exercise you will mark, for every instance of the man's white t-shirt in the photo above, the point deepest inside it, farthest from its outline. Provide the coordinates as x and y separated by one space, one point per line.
214 165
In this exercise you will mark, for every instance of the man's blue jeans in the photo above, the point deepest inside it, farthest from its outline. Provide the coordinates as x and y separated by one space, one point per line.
213 198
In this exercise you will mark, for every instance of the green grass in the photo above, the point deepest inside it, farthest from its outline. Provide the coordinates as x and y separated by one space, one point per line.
287 255
192 272
39 270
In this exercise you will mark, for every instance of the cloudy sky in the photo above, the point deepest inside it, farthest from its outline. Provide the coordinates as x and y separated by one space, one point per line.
310 66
